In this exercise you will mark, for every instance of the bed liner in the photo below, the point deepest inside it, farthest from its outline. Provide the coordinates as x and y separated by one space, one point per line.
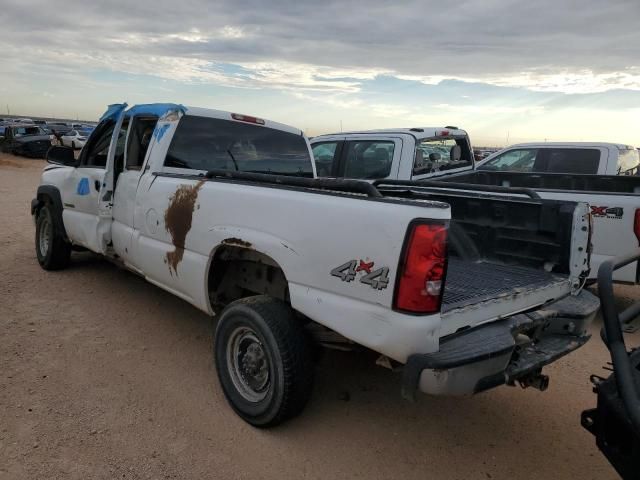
469 283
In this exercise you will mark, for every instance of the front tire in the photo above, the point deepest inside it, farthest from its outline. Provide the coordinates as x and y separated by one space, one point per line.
52 250
264 360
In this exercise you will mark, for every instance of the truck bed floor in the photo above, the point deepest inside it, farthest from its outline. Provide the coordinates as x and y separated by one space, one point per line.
473 282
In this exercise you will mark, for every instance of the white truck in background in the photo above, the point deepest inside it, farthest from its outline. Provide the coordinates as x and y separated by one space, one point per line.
604 175
584 158
223 210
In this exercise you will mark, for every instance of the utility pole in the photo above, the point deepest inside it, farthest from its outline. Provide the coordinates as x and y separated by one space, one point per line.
340 126
8 111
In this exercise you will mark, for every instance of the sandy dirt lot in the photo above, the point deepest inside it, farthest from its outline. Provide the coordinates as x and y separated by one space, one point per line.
105 376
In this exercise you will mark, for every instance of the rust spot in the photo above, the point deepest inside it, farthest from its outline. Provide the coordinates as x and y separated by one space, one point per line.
177 220
237 242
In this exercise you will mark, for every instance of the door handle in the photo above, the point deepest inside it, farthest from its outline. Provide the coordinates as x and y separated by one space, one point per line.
97 185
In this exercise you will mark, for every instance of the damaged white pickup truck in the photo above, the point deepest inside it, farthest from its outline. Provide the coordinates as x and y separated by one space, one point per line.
462 290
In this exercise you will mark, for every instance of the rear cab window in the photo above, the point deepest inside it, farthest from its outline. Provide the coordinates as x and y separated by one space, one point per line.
203 143
435 155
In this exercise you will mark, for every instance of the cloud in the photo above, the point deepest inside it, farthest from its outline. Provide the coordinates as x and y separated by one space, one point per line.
571 47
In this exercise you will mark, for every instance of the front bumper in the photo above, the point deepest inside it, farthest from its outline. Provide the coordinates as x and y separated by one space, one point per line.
502 351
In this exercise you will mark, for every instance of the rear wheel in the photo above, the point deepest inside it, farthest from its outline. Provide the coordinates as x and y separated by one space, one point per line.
52 250
73 145
264 360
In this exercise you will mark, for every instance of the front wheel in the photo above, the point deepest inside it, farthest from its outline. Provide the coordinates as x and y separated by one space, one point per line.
264 360
52 250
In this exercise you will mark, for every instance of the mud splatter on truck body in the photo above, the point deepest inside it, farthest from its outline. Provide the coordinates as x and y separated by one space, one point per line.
177 220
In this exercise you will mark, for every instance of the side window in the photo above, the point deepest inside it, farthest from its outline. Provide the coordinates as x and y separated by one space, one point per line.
521 160
326 157
139 140
95 153
572 160
368 160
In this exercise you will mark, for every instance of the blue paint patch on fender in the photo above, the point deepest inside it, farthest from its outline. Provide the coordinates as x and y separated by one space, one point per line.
160 130
83 187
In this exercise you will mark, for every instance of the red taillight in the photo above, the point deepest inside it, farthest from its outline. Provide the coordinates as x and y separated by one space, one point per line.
636 224
421 279
444 133
247 118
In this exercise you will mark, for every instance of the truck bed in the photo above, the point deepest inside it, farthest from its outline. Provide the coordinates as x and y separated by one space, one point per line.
470 283
611 184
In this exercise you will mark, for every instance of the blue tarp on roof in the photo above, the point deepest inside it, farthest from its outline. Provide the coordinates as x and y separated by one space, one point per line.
113 111
158 109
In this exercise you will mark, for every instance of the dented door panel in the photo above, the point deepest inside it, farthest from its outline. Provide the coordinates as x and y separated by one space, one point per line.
307 234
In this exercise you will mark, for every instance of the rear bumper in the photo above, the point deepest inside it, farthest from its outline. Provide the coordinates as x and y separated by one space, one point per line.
503 351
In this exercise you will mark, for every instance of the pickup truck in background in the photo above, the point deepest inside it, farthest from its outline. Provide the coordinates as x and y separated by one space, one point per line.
223 211
585 158
614 199
399 154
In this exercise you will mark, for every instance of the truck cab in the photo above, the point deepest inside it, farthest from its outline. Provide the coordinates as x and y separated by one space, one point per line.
582 158
405 153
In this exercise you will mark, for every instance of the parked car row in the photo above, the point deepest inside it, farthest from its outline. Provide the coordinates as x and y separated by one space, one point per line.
25 139
28 139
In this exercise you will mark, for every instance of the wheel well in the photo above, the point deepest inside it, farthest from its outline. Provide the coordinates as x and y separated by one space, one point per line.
240 271
50 195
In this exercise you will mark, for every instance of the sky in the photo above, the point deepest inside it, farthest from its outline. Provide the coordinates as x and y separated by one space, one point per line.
506 71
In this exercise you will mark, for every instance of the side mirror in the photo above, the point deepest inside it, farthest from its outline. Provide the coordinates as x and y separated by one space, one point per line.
435 157
61 156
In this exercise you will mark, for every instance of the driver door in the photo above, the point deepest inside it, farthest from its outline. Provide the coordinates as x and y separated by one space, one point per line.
87 195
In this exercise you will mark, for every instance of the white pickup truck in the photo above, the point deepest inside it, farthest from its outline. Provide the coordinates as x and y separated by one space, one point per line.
604 175
222 210
585 158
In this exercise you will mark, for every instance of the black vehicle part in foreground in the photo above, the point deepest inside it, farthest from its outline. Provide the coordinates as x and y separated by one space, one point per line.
551 332
616 420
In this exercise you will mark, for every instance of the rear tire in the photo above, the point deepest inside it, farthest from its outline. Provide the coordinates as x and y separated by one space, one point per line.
264 360
52 250
73 145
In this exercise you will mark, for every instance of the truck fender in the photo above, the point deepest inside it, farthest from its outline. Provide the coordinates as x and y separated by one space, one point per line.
253 246
50 194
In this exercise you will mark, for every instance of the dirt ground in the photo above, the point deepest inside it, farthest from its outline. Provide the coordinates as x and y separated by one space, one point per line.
105 376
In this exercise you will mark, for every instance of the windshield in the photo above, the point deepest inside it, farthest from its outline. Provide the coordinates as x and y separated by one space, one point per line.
441 154
202 143
20 131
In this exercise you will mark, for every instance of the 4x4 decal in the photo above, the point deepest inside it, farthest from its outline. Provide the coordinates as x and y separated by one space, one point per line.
377 279
607 212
